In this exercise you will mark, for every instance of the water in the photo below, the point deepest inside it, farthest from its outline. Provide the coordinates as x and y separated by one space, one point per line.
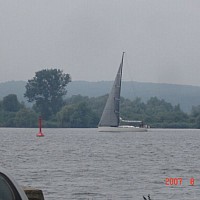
84 164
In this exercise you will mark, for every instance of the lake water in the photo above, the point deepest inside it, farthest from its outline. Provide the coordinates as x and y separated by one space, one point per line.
84 164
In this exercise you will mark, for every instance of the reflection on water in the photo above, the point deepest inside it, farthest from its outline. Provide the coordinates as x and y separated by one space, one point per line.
85 164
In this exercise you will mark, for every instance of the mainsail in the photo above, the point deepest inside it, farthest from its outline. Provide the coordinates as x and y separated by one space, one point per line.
110 116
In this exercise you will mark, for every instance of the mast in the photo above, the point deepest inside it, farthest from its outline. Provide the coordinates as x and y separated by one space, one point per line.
120 83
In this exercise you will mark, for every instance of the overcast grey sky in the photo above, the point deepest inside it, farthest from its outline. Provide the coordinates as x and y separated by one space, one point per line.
86 38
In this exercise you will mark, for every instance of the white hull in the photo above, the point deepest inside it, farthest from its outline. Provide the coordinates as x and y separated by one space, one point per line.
121 129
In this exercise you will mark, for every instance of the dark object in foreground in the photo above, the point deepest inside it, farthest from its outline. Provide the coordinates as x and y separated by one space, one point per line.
11 190
33 194
146 198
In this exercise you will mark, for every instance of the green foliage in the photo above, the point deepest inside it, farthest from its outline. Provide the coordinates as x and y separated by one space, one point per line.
77 115
132 110
96 104
8 108
14 114
10 103
47 89
26 118
81 112
159 113
7 119
156 113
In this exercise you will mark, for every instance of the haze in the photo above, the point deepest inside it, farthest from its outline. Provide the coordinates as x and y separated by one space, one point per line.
86 38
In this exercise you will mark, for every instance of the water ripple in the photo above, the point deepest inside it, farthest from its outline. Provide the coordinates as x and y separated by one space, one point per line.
85 164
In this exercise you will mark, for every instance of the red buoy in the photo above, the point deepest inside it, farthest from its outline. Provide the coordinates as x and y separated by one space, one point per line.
40 134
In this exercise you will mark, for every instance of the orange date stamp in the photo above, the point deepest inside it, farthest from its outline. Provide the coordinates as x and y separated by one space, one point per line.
177 181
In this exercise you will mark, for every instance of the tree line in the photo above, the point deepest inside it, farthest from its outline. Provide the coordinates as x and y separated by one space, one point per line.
82 112
47 89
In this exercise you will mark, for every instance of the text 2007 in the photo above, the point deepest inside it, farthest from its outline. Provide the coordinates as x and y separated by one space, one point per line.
173 181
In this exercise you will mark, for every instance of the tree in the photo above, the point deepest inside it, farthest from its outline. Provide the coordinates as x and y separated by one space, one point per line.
10 103
47 89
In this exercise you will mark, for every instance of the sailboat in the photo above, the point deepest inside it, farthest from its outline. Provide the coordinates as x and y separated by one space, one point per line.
110 120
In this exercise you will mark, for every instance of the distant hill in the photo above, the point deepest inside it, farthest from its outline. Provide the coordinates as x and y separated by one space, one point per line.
185 95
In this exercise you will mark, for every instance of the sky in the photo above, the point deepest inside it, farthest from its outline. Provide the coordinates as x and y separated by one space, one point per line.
86 38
